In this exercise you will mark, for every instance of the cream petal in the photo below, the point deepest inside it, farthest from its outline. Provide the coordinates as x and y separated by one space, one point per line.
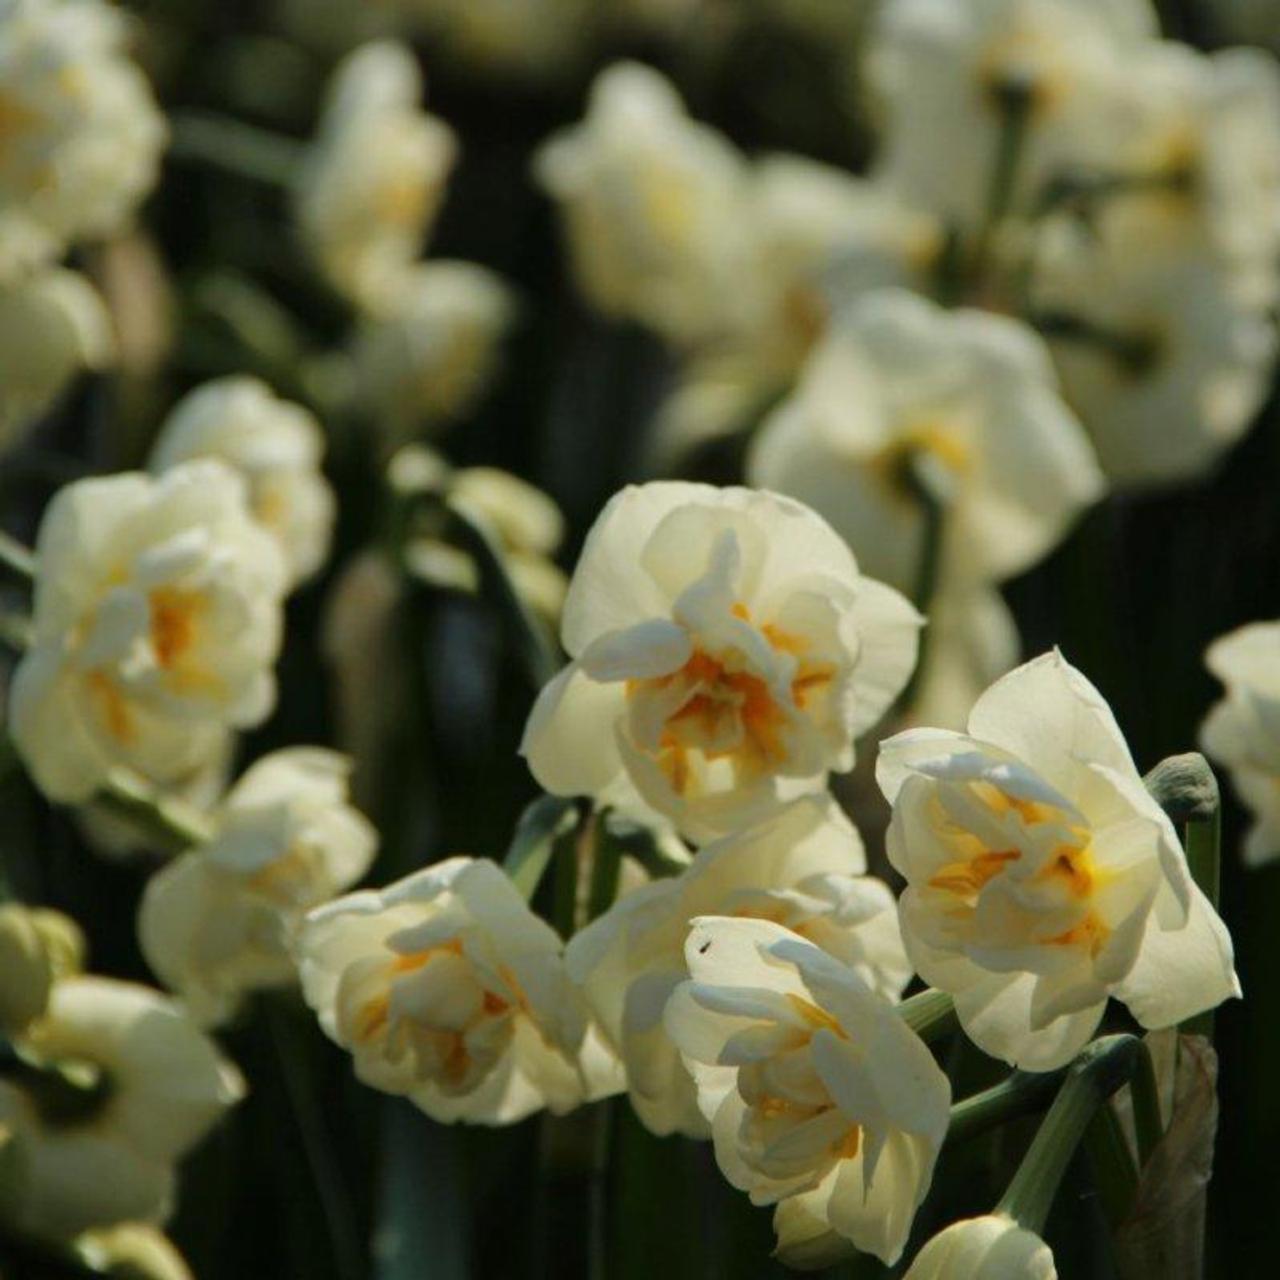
888 629
1182 971
569 740
653 648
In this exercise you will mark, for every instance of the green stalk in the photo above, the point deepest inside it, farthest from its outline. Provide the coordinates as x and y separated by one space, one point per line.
1114 1170
173 824
533 643
236 147
606 867
1019 1094
1015 115
540 826
931 1014
930 484
1094 1076
16 558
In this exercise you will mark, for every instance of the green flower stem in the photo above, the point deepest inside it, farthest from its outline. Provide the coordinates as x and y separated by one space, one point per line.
931 1014
1094 1076
16 558
659 853
534 841
930 484
564 887
173 824
1017 1095
1185 787
239 148
1015 114
533 642
606 866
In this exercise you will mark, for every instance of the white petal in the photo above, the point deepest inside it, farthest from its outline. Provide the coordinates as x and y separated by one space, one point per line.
569 740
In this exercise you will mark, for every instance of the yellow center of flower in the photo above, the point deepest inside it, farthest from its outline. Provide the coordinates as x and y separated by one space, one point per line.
731 712
111 706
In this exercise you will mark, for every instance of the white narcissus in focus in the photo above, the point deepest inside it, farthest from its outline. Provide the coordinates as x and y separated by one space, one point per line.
164 1085
82 131
950 73
217 921
426 357
447 989
1243 730
972 394
53 326
156 622
652 204
801 868
1042 878
822 1101
276 445
726 653
374 177
992 1247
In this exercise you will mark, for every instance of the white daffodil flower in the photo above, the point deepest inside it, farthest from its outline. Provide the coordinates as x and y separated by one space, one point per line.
952 74
992 1247
163 1085
82 131
1200 134
1166 357
156 621
447 989
424 360
1042 878
801 868
652 206
821 1100
1243 730
217 921
900 381
53 326
276 445
374 178
726 653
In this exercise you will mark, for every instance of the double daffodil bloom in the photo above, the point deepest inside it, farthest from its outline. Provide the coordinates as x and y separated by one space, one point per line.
154 1085
801 868
447 989
374 177
1042 878
217 921
821 1100
276 445
726 653
898 381
157 620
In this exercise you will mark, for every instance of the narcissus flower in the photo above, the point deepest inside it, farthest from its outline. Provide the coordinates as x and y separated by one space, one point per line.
375 176
898 380
154 1086
82 131
1042 878
156 622
801 868
275 444
726 652
217 921
951 74
822 1101
53 326
447 989
1166 357
424 360
652 205
1243 730
992 1247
